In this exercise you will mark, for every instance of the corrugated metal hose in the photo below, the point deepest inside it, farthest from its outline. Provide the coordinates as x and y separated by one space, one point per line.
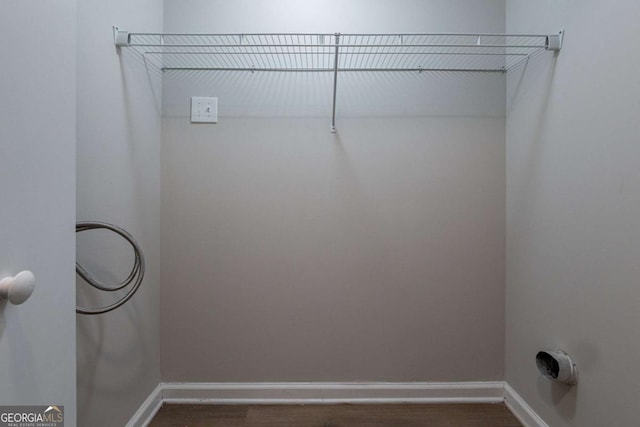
135 276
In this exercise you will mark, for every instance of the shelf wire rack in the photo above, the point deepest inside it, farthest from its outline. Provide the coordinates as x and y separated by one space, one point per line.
336 53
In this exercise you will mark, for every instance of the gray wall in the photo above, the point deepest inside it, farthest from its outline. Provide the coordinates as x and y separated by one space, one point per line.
291 254
118 161
37 178
573 199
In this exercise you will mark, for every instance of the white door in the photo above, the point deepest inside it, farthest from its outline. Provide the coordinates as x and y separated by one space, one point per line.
37 201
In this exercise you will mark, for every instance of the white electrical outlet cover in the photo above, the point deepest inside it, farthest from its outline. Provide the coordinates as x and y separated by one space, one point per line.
204 109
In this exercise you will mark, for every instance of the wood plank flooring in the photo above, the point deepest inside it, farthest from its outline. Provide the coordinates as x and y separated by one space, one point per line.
439 415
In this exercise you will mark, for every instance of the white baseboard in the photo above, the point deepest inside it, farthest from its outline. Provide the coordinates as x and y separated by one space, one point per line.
148 409
523 412
327 393
320 393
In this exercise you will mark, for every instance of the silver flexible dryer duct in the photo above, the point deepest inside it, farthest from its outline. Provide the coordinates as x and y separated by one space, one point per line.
136 274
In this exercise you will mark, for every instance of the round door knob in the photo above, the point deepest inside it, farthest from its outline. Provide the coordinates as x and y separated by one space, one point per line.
17 289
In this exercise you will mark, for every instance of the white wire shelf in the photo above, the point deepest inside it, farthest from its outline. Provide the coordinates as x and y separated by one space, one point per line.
355 52
336 53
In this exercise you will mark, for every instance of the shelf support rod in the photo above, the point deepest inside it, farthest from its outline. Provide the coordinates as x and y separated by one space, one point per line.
335 84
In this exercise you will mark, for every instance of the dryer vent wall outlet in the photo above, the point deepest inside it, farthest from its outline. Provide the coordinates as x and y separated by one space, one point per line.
557 366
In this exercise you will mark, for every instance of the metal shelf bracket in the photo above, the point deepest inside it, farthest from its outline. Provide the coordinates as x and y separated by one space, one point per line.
121 38
554 41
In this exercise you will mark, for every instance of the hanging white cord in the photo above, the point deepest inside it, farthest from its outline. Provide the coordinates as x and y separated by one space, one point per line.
136 275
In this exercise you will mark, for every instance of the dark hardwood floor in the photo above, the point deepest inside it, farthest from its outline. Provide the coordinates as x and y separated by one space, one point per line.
438 415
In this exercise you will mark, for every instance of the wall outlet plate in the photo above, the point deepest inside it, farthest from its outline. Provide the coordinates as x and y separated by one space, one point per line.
204 109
